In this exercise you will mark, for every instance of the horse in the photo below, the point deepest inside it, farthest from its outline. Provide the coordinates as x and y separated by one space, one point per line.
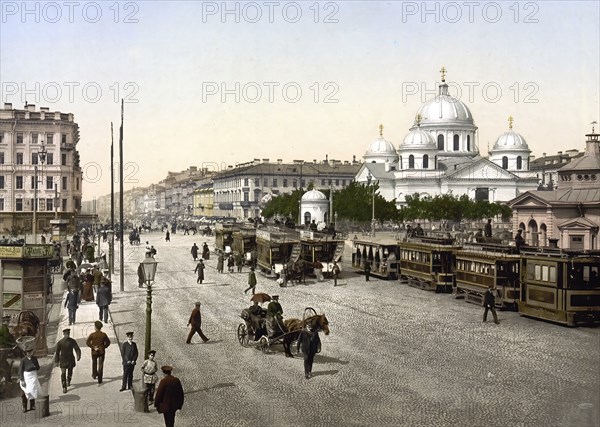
27 326
317 322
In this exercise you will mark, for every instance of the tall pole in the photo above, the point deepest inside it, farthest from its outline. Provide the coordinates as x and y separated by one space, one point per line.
55 201
111 243
148 339
121 219
373 214
35 184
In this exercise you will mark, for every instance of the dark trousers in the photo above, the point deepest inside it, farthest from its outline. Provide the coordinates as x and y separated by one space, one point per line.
335 280
250 288
65 375
150 392
127 376
98 366
24 400
169 418
367 275
103 313
196 329
72 313
308 363
199 280
493 310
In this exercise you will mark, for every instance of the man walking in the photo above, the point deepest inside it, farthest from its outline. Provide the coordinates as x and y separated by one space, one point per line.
367 270
71 304
335 270
129 355
251 281
194 252
200 270
309 343
98 341
64 358
169 396
489 302
103 300
196 322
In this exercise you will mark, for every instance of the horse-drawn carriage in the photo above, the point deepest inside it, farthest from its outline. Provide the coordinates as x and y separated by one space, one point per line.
55 264
134 238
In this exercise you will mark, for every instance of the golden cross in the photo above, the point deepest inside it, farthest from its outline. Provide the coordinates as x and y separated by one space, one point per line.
443 71
510 121
380 130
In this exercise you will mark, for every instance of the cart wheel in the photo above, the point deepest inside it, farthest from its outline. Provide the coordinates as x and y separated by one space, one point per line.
242 334
263 344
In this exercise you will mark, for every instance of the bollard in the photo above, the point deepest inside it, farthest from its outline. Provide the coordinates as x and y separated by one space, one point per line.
139 398
42 406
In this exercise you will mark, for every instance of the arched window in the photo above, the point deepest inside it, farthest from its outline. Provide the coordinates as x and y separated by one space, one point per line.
519 163
456 143
441 142
425 161
504 162
468 142
411 162
307 218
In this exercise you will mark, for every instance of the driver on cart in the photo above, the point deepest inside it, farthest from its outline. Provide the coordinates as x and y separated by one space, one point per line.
274 317
257 315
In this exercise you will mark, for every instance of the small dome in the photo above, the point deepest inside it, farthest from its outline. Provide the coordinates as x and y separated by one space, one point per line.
418 138
381 150
313 195
510 140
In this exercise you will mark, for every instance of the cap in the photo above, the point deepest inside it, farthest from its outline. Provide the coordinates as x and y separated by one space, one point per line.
129 334
166 369
275 296
98 324
198 303
152 352
66 330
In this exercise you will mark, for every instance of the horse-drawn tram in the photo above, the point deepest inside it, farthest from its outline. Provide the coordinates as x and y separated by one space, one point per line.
479 266
381 253
276 248
321 247
244 242
562 286
428 263
224 236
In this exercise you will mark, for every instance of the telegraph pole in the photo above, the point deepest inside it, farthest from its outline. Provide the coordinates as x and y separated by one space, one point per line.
121 230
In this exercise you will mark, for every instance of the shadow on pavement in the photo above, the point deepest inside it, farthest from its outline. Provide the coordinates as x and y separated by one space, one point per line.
327 359
214 387
320 373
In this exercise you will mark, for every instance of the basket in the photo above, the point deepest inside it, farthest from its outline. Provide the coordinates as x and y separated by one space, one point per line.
26 343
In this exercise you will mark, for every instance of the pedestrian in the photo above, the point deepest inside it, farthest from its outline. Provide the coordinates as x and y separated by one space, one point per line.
87 293
205 251
230 263
149 376
98 341
169 396
74 283
196 323
220 263
194 252
488 228
519 240
29 381
167 236
251 281
319 271
71 305
129 355
103 300
140 275
7 341
489 302
200 270
239 261
367 270
309 342
64 358
97 275
335 271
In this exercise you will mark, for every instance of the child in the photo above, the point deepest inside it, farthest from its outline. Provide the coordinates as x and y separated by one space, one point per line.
150 378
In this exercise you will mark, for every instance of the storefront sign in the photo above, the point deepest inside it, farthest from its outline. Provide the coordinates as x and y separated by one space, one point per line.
11 301
27 251
31 301
11 251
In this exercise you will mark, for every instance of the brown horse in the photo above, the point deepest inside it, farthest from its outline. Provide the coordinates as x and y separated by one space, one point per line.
294 326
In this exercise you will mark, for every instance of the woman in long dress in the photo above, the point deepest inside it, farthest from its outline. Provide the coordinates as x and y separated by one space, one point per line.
29 382
87 293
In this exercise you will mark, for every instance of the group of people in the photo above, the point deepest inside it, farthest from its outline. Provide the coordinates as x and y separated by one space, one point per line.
233 261
81 287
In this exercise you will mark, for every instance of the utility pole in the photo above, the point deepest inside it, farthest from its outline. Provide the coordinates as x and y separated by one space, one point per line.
111 243
121 216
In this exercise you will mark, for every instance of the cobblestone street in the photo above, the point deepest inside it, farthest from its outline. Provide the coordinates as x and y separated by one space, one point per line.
396 355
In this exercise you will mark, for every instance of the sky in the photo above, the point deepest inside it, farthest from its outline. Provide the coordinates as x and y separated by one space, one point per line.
212 84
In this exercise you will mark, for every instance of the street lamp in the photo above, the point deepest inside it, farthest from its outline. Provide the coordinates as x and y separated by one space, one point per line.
111 252
369 178
42 159
149 270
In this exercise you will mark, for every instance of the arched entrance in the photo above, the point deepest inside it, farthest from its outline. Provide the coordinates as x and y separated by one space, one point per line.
533 232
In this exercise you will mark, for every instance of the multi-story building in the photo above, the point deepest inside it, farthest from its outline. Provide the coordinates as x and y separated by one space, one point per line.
546 167
38 146
239 190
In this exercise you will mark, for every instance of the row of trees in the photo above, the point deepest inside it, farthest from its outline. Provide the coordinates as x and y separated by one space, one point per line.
354 203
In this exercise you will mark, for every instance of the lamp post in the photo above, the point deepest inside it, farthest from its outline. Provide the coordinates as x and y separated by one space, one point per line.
111 252
369 178
149 269
42 159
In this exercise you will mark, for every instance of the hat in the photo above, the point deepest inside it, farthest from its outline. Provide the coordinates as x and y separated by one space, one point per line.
152 352
198 303
66 330
98 324
166 369
129 334
275 296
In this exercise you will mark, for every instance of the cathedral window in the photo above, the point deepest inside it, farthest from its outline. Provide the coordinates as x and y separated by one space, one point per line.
425 161
411 162
504 162
519 163
441 142
456 143
468 142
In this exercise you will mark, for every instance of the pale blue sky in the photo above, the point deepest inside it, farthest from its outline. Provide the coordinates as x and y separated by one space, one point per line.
371 55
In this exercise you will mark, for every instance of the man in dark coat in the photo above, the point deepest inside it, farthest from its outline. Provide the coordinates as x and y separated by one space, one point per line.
140 274
194 252
103 300
335 271
367 270
129 355
64 358
196 323
98 341
71 303
489 302
519 240
308 342
200 270
205 251
169 396
488 228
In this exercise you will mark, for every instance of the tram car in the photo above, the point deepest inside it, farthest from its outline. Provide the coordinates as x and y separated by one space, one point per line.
480 265
244 242
276 248
381 253
224 237
561 286
321 247
428 263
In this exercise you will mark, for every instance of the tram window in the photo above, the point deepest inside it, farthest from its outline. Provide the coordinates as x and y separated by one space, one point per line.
553 274
472 266
538 272
545 273
530 271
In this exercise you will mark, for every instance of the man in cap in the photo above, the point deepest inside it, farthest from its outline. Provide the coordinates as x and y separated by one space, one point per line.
129 355
196 322
98 341
274 320
169 396
64 358
6 341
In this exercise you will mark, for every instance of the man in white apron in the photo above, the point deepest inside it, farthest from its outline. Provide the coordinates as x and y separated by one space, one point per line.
29 382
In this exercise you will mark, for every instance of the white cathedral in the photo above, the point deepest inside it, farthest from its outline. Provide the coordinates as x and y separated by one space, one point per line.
440 155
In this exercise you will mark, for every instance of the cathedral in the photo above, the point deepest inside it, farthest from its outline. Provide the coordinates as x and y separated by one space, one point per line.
440 155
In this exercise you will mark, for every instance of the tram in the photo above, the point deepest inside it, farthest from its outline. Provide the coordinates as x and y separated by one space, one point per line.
428 263
276 248
381 253
244 242
224 237
480 265
562 286
321 247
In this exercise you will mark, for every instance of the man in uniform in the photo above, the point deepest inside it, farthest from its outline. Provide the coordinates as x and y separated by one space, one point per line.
64 358
196 322
129 355
98 341
169 396
6 341
274 317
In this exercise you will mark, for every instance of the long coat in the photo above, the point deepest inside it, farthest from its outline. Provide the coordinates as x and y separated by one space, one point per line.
169 395
308 342
220 263
251 279
64 352
103 296
200 270
195 318
195 251
129 353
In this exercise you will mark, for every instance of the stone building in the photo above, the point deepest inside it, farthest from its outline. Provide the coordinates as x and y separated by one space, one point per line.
314 206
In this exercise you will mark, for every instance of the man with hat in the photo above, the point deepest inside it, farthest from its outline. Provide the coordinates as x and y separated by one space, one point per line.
6 341
274 320
129 355
63 357
98 341
200 270
169 396
103 300
196 322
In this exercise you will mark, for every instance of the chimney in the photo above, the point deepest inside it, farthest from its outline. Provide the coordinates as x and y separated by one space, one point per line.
543 154
315 161
44 109
30 107
265 160
7 106
279 161
560 153
553 243
353 158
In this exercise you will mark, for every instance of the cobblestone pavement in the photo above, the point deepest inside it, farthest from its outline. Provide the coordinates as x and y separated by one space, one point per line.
396 355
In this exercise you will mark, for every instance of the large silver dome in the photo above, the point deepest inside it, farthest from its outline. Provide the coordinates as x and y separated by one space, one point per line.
444 109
